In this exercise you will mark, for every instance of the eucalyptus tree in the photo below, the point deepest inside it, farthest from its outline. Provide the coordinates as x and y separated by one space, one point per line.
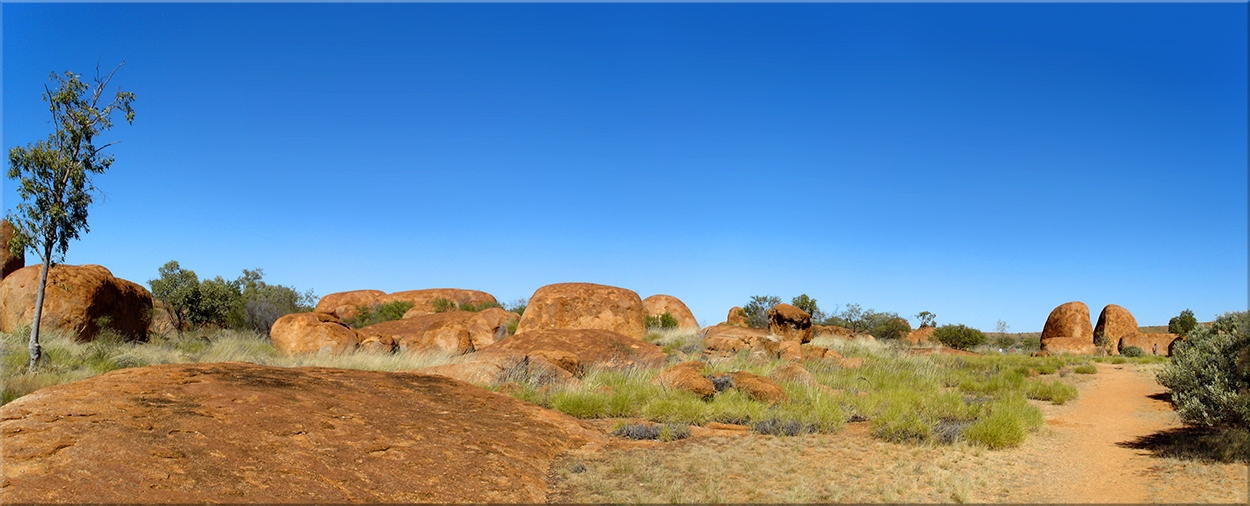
54 175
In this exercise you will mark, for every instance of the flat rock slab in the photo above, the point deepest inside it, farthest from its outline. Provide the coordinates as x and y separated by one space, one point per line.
237 432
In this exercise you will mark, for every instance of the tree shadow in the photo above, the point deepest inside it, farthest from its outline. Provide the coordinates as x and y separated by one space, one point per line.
1162 396
1205 444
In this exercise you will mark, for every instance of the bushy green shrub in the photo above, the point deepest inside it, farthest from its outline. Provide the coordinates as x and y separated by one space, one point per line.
1210 372
442 305
1183 323
370 315
1086 369
960 337
664 321
1132 351
243 303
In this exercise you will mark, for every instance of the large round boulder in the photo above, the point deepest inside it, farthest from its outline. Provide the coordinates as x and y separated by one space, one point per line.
920 336
423 300
9 262
452 331
1068 330
1115 323
343 304
728 339
590 346
300 333
585 306
790 323
235 432
657 305
77 299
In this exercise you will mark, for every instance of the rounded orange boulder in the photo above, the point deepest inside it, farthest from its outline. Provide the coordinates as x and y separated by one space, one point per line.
77 299
657 305
585 306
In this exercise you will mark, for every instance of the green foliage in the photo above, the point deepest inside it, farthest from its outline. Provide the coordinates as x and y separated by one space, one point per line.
926 319
442 305
664 321
1100 340
888 326
517 306
808 305
1183 323
469 306
244 303
1132 351
54 176
1086 369
756 311
1052 391
959 336
1009 420
1209 374
390 311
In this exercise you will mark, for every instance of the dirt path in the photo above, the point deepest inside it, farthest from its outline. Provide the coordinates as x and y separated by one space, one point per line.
1088 454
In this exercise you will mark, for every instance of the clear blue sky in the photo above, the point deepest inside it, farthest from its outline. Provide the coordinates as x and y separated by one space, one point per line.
979 161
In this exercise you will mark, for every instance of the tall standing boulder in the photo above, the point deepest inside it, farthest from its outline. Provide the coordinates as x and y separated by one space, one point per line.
657 305
9 262
343 304
1115 323
790 323
736 316
1068 330
301 333
423 300
76 299
585 306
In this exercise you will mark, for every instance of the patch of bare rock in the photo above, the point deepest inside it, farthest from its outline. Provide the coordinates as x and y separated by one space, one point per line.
238 433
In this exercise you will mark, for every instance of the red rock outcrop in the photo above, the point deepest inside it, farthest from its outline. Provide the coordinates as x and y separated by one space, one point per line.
9 263
1068 330
919 336
591 346
736 316
585 306
76 298
832 331
447 331
238 433
423 300
657 305
1115 323
790 323
793 373
1152 344
760 388
299 333
731 338
686 376
343 304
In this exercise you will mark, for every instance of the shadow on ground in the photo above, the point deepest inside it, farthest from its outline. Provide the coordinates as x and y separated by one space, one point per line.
1206 444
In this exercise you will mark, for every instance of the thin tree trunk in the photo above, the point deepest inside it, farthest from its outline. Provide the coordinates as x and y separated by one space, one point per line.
36 351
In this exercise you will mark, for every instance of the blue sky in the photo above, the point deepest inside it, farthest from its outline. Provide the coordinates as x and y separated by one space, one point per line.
978 161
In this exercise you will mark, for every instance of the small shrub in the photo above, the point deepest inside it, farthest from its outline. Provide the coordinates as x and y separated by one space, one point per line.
1132 351
649 431
960 337
1209 374
469 306
774 427
1086 369
442 305
1119 360
664 321
1052 391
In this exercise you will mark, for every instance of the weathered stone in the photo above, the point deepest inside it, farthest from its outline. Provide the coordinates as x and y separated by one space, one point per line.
9 263
790 323
793 373
736 316
590 346
77 299
1151 344
343 305
731 339
832 331
423 300
686 376
1115 323
657 305
790 350
299 333
449 332
919 336
1068 330
235 432
585 306
760 388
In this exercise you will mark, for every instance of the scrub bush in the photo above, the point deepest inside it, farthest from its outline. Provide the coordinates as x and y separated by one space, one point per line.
1132 351
960 337
1209 374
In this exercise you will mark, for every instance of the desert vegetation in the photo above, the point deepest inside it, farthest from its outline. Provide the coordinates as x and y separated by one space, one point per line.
246 302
